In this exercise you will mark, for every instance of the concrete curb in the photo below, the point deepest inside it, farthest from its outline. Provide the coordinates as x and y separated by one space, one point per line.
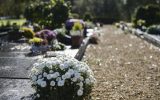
3 34
143 35
82 49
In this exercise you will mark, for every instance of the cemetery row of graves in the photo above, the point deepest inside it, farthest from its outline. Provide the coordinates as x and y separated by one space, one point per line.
145 23
54 67
126 67
47 50
48 46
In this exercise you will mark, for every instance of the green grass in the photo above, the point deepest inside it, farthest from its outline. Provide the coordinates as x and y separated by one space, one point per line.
19 22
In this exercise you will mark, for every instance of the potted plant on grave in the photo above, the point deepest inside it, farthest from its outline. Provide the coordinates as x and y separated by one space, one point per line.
37 41
36 44
62 78
28 32
76 35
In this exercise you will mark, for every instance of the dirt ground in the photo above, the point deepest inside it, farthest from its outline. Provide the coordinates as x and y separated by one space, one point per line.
125 66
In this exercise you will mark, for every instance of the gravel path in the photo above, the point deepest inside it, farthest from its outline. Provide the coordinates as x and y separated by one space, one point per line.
126 67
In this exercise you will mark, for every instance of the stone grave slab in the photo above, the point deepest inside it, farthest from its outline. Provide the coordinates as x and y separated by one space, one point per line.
13 54
15 67
10 47
15 89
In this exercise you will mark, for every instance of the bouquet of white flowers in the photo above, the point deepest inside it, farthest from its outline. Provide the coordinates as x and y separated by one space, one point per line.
62 78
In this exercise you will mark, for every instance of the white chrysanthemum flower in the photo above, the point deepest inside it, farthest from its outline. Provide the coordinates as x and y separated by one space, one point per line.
52 83
34 82
53 76
77 66
67 64
54 63
39 76
71 71
45 74
64 77
58 79
81 78
61 66
49 76
89 72
67 75
36 64
57 62
61 83
38 95
80 92
77 75
87 81
81 84
39 81
34 71
43 84
81 88
34 78
51 71
74 79
41 66
49 64
83 70
57 74
92 79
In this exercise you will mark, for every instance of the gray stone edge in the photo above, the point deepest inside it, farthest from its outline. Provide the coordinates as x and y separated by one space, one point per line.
82 49
143 35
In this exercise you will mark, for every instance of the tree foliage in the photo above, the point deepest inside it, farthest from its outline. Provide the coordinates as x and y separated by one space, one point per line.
104 9
150 14
87 17
60 13
14 8
50 14
110 9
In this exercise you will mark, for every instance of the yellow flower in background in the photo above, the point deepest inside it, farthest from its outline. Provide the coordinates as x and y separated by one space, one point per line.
35 40
27 32
77 26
